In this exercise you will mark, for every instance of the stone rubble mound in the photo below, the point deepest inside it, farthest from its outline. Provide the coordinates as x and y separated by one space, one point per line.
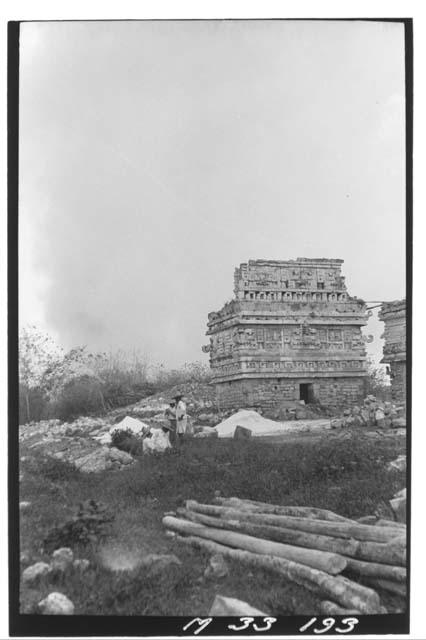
199 398
82 443
372 413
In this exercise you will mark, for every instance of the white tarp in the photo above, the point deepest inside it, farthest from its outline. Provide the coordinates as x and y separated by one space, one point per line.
127 424
130 424
258 425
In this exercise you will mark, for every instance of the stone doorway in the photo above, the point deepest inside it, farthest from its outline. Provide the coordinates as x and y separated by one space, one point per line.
306 392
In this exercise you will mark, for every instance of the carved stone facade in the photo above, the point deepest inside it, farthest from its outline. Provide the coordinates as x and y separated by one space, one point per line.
292 332
393 314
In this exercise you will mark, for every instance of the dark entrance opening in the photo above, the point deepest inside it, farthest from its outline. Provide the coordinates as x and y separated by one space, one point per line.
306 392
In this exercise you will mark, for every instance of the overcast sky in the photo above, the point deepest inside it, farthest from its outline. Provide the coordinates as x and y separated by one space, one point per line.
157 156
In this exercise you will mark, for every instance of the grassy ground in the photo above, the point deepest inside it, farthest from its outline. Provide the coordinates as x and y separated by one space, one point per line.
349 477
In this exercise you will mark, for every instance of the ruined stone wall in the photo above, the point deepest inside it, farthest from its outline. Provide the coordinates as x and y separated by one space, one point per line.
398 382
393 314
277 393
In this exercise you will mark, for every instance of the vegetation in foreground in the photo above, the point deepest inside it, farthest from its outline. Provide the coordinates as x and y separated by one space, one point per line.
350 478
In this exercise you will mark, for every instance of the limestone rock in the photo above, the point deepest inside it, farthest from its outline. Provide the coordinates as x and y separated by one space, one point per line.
156 563
301 414
36 571
223 606
399 464
364 416
81 564
170 534
56 604
399 505
62 558
116 455
399 422
217 567
97 460
207 432
379 415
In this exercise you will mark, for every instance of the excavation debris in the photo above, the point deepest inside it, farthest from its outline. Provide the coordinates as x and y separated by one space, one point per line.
84 443
332 556
372 413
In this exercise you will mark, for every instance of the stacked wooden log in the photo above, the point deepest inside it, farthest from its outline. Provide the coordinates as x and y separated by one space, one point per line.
344 561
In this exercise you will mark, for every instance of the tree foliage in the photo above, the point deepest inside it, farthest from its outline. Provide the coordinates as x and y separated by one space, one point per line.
66 384
37 353
377 383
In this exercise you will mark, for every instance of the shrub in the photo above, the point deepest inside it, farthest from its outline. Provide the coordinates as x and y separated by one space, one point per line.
88 526
125 440
377 382
35 399
80 396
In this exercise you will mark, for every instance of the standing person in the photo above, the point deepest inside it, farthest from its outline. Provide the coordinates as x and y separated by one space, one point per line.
170 414
181 417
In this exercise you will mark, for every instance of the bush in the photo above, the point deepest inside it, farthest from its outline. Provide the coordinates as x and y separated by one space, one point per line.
125 440
193 372
33 404
78 397
377 382
88 526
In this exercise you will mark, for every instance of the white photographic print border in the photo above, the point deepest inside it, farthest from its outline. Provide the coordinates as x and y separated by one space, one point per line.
191 10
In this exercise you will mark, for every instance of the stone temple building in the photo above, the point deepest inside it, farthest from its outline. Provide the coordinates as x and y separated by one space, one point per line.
394 350
292 332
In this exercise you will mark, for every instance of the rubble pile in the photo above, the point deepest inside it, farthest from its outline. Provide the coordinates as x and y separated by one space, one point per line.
62 561
82 443
373 413
88 443
350 565
199 399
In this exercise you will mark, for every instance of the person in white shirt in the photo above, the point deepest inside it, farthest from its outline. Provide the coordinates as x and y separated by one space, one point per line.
181 417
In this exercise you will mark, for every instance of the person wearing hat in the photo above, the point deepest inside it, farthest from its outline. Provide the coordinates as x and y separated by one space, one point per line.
181 417
170 414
